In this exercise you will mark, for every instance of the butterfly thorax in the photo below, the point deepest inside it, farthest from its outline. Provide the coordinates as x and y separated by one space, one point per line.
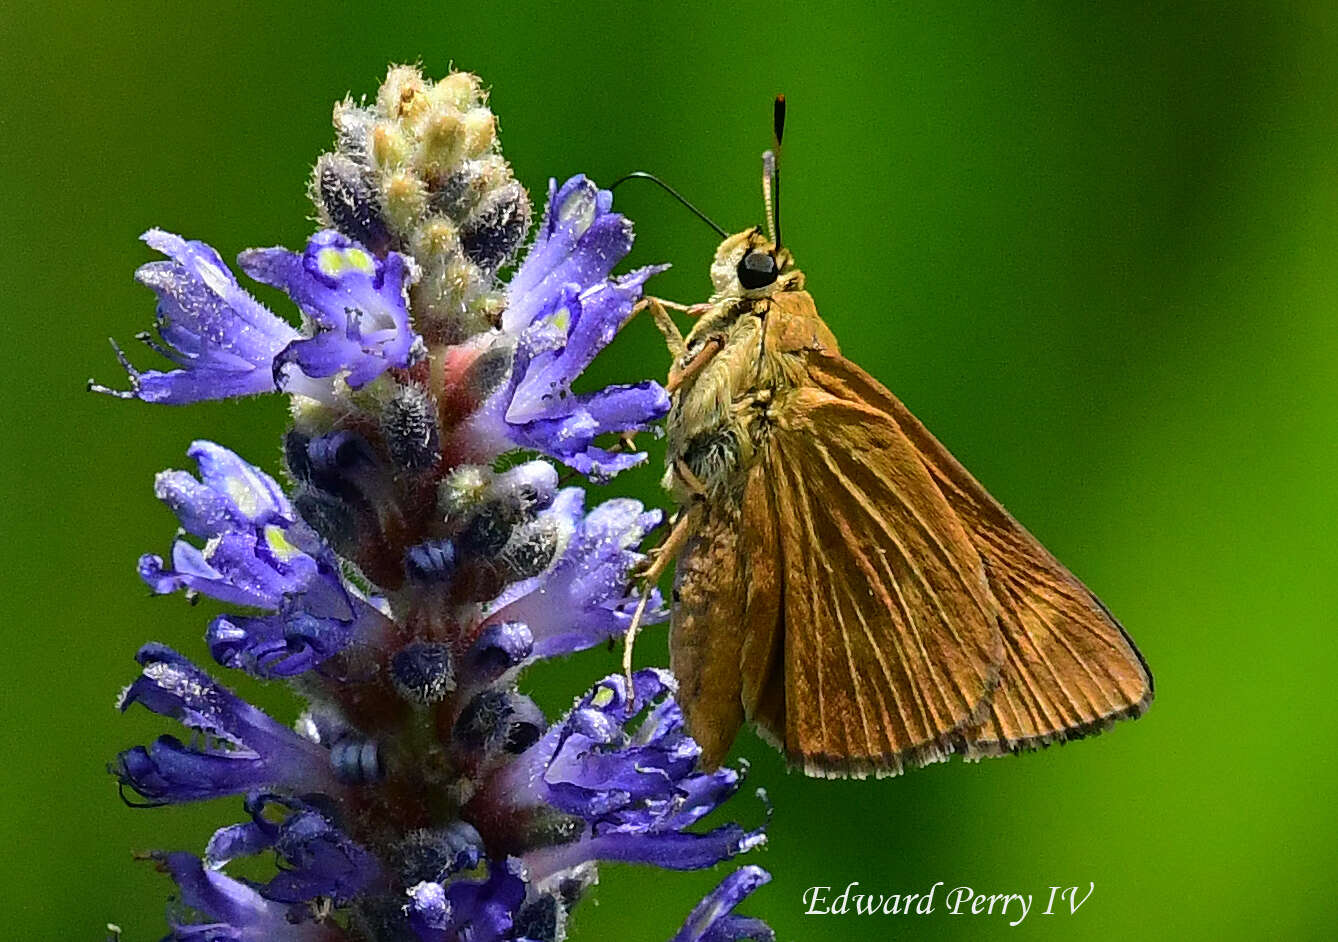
722 415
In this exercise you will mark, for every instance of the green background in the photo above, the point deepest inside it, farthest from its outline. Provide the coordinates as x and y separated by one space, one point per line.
1093 247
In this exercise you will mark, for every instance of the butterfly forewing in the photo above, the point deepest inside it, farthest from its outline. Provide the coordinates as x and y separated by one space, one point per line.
891 644
1069 669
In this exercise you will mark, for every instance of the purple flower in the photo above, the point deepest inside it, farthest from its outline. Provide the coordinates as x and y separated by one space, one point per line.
584 598
241 748
317 859
416 568
636 787
562 309
356 304
260 554
223 341
239 912
476 910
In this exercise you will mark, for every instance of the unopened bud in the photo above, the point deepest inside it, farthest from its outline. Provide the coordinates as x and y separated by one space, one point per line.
499 648
356 761
495 229
497 721
542 920
432 855
349 203
432 561
422 672
409 426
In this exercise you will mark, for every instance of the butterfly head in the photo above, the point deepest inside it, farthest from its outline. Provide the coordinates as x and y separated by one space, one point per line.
751 265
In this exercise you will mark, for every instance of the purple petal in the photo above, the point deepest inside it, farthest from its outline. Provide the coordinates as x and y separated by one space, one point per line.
320 861
586 324
289 643
242 912
429 911
562 309
239 840
713 919
498 648
579 241
484 911
357 302
223 341
259 753
674 850
585 598
243 568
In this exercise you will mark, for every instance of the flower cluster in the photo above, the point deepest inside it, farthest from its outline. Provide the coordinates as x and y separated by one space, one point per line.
407 576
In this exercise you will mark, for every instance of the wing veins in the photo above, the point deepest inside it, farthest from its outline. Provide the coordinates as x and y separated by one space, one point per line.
798 485
918 574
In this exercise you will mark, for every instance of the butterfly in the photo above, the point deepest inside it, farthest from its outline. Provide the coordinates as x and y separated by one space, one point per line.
842 581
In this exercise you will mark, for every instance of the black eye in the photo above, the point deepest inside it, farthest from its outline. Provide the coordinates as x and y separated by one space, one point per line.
757 270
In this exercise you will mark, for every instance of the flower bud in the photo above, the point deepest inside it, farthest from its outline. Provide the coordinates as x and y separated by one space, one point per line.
295 455
494 231
441 144
356 761
498 721
543 920
531 548
329 516
421 172
409 426
462 489
343 464
489 369
432 561
490 529
347 201
402 94
432 855
405 198
498 648
530 486
422 672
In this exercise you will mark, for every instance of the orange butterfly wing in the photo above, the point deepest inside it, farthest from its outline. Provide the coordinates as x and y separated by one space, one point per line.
708 624
883 633
1069 668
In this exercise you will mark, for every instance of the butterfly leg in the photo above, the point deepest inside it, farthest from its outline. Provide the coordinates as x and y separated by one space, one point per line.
659 312
680 375
664 554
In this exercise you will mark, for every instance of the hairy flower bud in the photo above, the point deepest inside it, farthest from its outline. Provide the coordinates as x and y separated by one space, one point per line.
422 672
420 170
495 721
409 426
431 855
341 190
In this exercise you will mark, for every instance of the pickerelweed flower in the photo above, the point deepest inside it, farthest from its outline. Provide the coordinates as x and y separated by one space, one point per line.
406 577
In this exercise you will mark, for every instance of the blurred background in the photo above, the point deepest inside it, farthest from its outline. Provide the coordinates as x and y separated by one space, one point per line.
1093 248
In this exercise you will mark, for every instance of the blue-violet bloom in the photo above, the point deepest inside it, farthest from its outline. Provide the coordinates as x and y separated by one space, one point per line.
412 568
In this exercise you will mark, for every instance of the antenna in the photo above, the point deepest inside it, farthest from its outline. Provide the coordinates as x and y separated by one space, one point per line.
771 172
642 175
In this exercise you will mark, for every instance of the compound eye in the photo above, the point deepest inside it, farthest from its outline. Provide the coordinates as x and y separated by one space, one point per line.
757 270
